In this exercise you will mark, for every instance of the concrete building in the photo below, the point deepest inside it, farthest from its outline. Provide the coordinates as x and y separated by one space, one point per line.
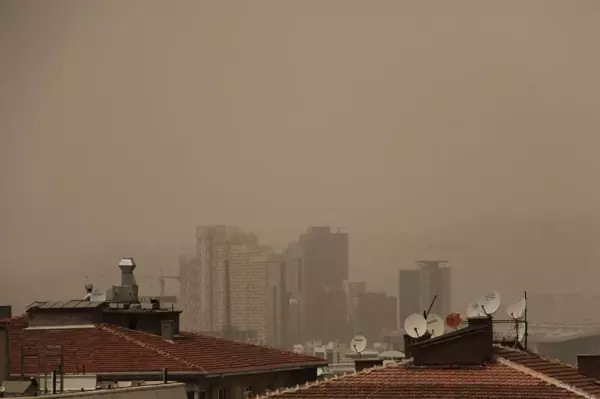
317 266
190 295
375 315
461 364
157 391
121 340
409 294
225 289
435 281
353 290
418 287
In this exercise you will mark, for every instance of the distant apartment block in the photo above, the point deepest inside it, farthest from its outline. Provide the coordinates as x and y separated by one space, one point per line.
409 294
353 291
317 266
435 282
375 315
226 286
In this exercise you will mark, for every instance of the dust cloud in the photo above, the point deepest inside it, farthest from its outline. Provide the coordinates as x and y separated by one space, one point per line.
462 130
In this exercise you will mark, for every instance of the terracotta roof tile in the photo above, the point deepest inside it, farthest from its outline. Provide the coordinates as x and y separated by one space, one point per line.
115 349
492 381
550 367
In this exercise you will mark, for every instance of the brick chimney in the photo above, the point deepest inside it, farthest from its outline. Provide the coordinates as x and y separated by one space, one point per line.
589 365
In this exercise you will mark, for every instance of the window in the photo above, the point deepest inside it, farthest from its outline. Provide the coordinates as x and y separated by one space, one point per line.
223 393
248 392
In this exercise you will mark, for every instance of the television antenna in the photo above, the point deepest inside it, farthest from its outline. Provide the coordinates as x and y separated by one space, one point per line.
358 344
426 313
435 325
415 325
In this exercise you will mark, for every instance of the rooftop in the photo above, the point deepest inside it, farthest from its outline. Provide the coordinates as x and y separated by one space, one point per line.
512 374
112 349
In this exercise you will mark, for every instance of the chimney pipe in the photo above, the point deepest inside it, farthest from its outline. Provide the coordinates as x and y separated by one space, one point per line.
127 265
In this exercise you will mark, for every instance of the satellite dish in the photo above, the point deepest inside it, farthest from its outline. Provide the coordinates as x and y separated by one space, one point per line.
453 320
358 344
474 309
435 325
517 310
415 325
490 303
299 349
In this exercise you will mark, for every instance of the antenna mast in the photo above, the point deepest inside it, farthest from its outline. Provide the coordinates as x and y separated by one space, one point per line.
526 323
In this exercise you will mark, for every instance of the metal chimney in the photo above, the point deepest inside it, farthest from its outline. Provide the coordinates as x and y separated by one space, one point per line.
127 265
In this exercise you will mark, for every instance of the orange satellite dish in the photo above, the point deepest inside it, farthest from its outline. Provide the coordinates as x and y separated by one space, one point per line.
453 320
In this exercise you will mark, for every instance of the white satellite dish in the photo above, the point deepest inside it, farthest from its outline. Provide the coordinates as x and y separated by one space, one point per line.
358 344
415 325
299 349
435 325
474 309
490 303
517 310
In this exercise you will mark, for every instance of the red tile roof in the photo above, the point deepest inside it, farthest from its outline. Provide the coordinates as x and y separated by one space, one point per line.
107 348
562 372
497 380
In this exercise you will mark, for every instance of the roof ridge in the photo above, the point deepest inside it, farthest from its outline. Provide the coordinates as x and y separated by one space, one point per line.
120 334
546 358
247 344
327 381
543 377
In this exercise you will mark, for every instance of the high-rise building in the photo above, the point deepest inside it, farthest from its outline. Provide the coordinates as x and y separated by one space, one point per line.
225 289
418 287
375 315
435 282
190 298
317 266
353 290
409 294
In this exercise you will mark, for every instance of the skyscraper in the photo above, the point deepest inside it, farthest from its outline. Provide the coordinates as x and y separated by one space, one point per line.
317 267
225 289
409 294
435 282
418 287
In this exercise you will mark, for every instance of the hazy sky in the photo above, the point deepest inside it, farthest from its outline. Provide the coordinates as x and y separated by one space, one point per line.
463 129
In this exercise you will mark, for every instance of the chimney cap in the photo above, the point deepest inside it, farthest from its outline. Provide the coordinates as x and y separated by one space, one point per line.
126 262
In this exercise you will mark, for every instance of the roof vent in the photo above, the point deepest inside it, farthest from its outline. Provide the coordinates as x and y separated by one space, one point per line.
88 289
167 329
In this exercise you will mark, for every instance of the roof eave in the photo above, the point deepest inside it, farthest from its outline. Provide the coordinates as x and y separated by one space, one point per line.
263 369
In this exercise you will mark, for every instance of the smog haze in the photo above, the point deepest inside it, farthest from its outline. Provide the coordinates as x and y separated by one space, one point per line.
464 130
